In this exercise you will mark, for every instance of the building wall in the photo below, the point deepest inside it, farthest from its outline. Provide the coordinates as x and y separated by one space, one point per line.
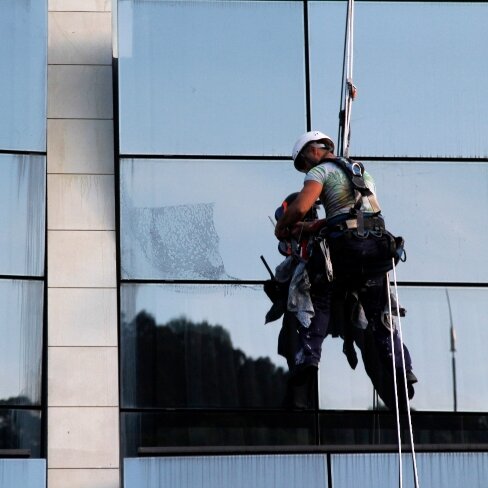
83 442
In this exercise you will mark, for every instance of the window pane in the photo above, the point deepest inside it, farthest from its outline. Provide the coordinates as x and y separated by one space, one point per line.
182 429
327 21
426 332
236 85
20 429
416 87
201 219
449 470
21 309
199 346
220 472
22 211
439 208
23 61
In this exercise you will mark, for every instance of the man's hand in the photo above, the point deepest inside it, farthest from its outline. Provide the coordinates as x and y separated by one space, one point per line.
282 232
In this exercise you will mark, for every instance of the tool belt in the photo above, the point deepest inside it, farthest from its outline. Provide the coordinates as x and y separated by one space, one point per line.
374 224
372 227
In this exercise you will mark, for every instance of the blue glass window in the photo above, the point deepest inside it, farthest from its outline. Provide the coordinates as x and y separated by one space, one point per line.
23 61
417 87
28 473
22 214
439 209
21 306
207 220
449 470
285 471
210 77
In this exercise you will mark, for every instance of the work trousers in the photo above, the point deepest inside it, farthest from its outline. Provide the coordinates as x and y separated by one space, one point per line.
351 257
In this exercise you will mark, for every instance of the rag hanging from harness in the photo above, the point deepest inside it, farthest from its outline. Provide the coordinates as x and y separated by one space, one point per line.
348 95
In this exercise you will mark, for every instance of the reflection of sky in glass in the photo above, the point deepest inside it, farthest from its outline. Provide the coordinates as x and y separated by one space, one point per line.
327 21
23 64
210 77
439 208
417 66
242 193
239 309
426 333
22 214
21 305
444 56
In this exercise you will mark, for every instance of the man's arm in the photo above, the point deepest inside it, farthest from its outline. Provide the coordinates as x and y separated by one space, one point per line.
298 208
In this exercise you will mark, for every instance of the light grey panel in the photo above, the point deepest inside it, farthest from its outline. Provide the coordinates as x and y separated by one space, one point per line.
21 309
236 85
23 65
25 473
285 471
22 214
449 470
201 219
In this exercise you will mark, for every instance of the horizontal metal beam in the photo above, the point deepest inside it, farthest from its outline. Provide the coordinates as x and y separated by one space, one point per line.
15 453
323 449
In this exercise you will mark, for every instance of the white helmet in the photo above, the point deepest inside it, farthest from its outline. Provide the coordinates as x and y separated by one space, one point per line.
314 135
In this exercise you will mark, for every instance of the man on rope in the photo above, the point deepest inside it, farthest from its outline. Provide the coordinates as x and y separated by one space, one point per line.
361 252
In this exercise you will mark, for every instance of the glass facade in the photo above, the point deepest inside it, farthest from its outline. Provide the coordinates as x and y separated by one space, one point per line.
222 90
449 470
205 134
23 89
23 75
28 473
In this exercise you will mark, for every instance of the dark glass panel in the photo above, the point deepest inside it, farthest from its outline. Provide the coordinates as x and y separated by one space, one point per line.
21 429
363 428
199 346
178 429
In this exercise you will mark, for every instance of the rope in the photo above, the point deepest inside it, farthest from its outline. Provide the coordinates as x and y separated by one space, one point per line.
412 444
348 94
397 409
349 90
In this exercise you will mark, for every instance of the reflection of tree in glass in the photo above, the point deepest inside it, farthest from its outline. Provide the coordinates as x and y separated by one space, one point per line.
19 429
182 363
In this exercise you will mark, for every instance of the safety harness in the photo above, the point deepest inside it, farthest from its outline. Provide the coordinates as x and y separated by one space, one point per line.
355 172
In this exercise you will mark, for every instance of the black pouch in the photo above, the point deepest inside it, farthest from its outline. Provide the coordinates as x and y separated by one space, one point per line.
319 265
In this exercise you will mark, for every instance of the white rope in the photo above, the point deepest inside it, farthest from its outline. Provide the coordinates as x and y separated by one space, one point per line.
397 410
412 444
349 88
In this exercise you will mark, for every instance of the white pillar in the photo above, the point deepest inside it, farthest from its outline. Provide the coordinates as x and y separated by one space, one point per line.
83 417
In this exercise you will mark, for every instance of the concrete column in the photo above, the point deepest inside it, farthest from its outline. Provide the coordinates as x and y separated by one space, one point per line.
83 420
